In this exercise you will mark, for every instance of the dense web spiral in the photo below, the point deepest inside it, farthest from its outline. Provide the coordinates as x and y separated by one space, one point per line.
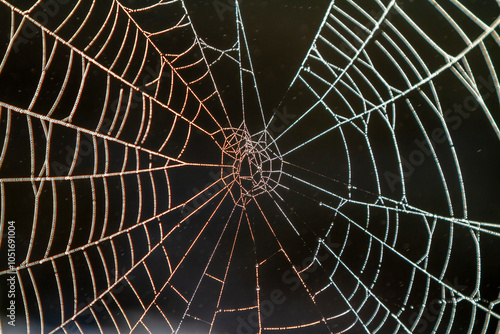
148 184
255 165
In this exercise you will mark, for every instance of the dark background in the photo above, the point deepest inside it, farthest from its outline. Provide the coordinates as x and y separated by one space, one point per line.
279 35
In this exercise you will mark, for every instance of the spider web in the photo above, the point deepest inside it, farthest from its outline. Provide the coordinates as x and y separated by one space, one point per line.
147 196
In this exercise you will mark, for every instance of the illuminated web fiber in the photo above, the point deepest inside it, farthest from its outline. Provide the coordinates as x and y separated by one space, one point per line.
148 197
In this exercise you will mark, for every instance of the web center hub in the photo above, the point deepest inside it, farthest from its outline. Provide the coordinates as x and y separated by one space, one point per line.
256 163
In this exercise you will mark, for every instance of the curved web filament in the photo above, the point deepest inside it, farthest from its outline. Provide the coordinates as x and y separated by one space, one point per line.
148 196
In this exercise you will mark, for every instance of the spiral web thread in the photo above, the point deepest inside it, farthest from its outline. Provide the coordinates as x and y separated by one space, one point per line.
99 249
